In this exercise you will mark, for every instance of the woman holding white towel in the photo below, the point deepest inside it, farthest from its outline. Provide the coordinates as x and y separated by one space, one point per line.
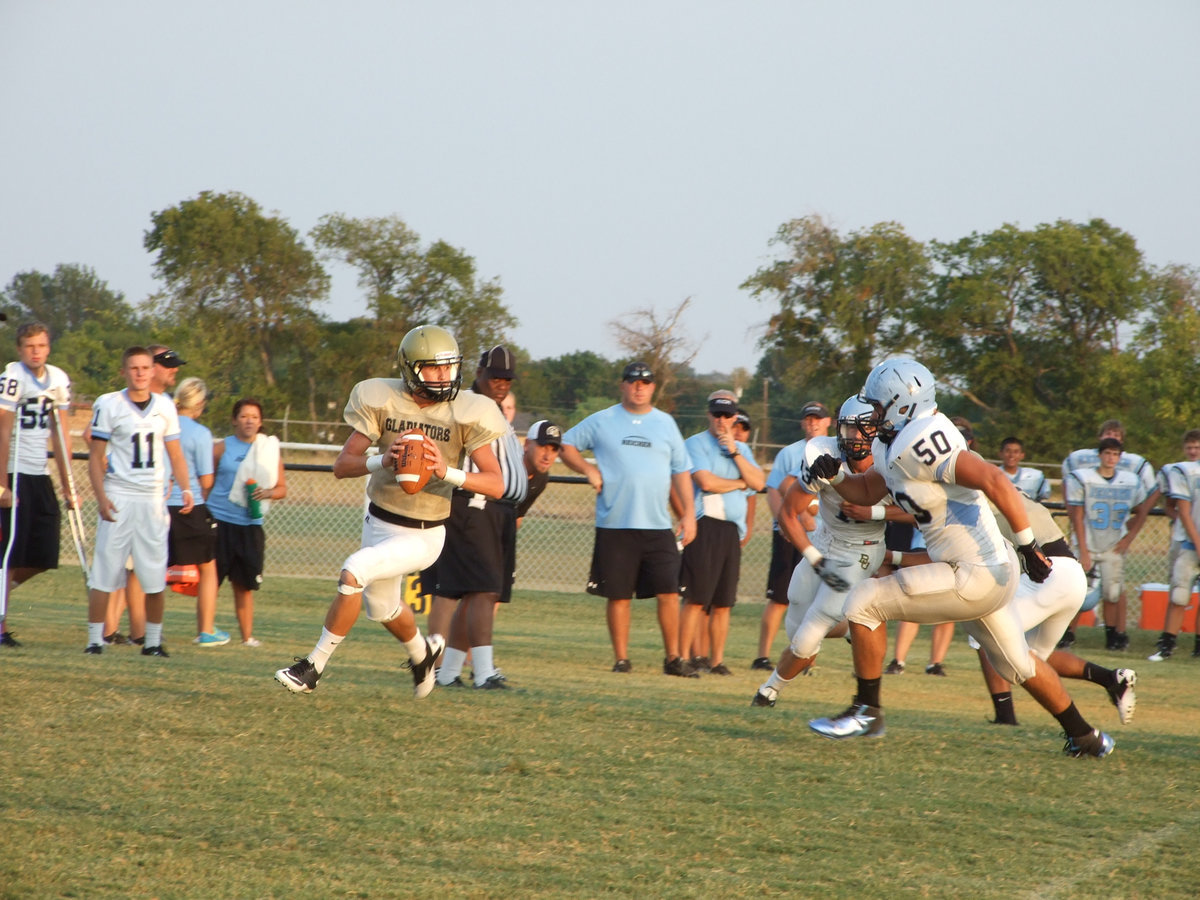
243 456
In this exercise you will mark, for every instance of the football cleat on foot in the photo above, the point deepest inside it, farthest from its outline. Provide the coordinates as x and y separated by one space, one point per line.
764 663
720 669
1096 744
300 677
1162 654
96 649
935 669
622 666
156 650
1067 641
680 667
494 682
423 672
859 720
765 696
895 667
7 640
1122 695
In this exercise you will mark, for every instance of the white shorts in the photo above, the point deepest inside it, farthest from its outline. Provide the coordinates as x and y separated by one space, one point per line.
1045 610
389 552
1111 566
813 606
139 534
1184 571
978 596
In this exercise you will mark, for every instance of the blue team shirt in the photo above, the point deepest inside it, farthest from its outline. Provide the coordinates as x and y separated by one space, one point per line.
196 442
636 455
708 454
219 504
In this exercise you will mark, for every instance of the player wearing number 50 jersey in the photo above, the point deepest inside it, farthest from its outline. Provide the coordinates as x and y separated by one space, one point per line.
922 460
34 397
137 432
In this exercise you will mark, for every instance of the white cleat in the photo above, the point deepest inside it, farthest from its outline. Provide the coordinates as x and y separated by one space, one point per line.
424 673
1123 696
856 721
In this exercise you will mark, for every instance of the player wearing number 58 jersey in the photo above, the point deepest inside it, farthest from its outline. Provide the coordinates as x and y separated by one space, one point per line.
34 397
137 433
923 461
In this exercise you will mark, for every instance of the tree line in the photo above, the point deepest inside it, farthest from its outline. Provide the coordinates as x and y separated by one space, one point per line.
1040 332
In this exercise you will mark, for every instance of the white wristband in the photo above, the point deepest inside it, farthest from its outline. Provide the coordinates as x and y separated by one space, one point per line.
813 555
375 463
186 491
838 478
1023 537
454 476
877 513
897 556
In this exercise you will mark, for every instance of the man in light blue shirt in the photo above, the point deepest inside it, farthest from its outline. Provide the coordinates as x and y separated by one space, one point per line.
641 467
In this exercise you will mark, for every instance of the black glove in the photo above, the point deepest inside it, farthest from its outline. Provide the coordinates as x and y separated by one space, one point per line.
826 573
1033 562
824 466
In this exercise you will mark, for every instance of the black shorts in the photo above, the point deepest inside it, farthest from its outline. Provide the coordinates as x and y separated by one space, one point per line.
38 523
241 550
479 553
193 537
899 536
711 565
784 559
634 562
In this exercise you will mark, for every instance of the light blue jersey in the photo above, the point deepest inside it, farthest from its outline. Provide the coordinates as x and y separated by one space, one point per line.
1030 482
219 504
708 455
637 454
1106 502
196 442
1089 458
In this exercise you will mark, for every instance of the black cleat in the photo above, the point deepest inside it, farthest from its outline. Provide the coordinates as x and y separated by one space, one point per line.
679 667
766 698
95 649
623 666
158 650
300 677
7 640
764 663
494 682
1096 744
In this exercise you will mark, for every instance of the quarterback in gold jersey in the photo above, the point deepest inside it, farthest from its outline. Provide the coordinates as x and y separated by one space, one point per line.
404 533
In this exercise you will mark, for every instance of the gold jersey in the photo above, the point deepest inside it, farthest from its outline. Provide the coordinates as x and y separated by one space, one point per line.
382 408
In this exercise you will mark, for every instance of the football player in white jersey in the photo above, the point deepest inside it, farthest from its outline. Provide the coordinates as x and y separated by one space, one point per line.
1044 610
1106 497
137 432
402 532
1183 498
34 398
1030 482
922 460
841 552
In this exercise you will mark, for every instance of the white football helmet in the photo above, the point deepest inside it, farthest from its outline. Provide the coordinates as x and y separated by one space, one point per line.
430 345
900 390
853 425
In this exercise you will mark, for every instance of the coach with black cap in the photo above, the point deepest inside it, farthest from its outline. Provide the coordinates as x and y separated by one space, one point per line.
640 457
474 571
165 370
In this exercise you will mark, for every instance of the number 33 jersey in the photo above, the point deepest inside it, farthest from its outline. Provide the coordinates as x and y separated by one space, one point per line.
956 522
137 458
34 402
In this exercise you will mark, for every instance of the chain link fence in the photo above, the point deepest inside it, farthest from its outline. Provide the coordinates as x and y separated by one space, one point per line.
311 531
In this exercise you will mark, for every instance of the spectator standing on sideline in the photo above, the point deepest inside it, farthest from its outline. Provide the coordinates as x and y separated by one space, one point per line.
722 470
921 459
404 533
1183 499
815 420
639 455
241 542
193 535
1030 482
471 575
34 399
1099 504
136 431
1089 458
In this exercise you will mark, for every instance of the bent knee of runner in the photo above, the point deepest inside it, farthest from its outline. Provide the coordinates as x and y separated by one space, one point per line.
862 604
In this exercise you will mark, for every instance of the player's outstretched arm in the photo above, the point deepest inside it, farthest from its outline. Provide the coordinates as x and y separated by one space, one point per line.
866 489
352 461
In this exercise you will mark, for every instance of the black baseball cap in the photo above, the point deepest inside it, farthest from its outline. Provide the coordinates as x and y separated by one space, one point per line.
815 408
545 432
637 371
169 359
742 419
498 363
722 404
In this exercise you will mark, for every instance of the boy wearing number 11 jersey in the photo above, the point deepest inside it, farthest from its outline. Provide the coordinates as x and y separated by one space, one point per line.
136 432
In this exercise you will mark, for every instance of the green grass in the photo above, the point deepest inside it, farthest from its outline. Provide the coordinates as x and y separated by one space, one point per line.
125 776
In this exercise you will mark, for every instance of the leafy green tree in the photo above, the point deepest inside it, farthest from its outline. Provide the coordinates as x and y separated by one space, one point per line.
1024 326
554 387
407 286
840 303
245 285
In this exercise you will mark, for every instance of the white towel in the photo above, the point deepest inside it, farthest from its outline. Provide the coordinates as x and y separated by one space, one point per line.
262 465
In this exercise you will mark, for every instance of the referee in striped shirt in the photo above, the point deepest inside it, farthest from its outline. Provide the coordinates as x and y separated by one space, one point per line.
470 577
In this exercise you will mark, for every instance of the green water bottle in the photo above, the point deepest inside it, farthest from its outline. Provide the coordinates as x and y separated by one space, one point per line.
253 506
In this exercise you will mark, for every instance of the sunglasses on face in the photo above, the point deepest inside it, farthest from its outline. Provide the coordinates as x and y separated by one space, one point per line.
721 415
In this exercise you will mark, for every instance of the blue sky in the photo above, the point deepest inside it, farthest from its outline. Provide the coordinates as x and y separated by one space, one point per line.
597 158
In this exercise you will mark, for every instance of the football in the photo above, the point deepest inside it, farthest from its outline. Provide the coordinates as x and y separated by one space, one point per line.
412 471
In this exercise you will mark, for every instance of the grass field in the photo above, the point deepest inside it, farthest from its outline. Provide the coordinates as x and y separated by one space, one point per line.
198 776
